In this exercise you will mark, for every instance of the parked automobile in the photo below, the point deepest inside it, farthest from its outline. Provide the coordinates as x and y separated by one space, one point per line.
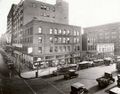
98 62
116 89
78 88
85 64
70 74
61 70
108 61
105 80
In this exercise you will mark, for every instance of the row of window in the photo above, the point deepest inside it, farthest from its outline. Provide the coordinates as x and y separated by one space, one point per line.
63 32
60 40
57 32
46 15
44 7
60 49
91 47
28 31
28 40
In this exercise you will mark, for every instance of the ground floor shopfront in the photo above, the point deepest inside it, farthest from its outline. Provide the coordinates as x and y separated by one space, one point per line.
44 61
96 55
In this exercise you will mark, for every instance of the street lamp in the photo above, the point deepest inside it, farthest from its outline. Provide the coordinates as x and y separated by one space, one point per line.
38 61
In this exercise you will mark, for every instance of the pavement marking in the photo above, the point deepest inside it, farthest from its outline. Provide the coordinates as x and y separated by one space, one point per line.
29 87
53 86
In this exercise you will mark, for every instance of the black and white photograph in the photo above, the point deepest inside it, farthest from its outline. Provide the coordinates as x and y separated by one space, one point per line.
59 46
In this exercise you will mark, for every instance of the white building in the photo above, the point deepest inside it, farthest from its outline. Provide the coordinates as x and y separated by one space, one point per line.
107 49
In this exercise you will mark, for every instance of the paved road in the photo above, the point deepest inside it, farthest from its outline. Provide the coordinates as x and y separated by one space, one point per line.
17 85
86 76
57 85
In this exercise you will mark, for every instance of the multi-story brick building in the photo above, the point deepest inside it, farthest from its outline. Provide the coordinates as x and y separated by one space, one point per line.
51 42
26 10
10 22
108 33
41 33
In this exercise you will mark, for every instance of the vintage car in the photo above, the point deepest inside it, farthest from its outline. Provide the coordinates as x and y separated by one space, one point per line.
61 70
107 61
98 62
85 64
70 74
115 90
78 88
105 80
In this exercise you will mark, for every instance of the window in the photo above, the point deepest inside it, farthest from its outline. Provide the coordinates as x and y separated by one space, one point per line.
60 48
53 9
34 5
74 40
68 40
64 32
40 30
77 40
68 48
56 40
75 33
51 31
51 49
78 33
64 40
59 40
40 49
68 32
64 48
43 7
55 31
78 48
31 39
51 39
56 49
31 30
60 31
75 48
40 39
47 8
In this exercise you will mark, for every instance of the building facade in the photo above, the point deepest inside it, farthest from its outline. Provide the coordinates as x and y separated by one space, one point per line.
42 34
10 22
27 10
105 49
109 33
51 43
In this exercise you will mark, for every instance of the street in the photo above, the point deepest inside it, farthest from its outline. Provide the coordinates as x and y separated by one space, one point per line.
56 84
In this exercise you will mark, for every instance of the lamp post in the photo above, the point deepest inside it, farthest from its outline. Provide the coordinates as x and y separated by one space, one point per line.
38 61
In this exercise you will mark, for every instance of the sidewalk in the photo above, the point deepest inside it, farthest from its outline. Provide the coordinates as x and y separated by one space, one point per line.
41 72
30 73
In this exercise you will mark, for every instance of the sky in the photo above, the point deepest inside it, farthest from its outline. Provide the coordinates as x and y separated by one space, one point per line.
85 13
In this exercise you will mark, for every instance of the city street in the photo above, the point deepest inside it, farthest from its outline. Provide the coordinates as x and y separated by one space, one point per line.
86 76
57 85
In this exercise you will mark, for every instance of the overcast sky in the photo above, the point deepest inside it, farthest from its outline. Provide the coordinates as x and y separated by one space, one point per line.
83 13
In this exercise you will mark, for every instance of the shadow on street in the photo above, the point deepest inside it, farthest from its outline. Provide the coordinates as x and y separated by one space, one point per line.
94 89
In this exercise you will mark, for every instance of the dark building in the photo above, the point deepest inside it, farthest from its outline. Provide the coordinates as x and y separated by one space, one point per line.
10 22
